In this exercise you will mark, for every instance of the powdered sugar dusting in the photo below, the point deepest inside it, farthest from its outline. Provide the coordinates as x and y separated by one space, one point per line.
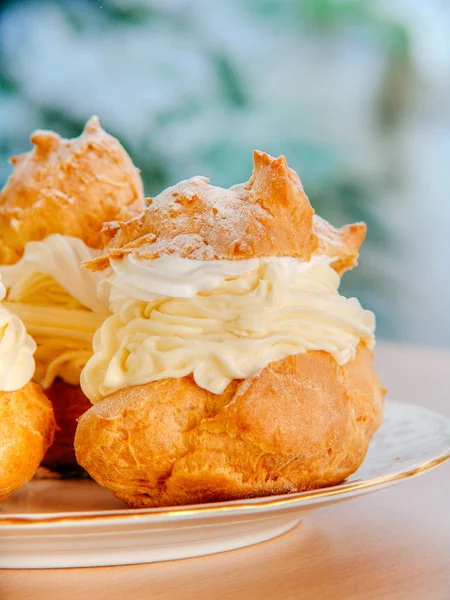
194 219
270 215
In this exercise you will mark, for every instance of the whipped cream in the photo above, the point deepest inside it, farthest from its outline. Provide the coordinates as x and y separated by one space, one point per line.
170 276
218 321
16 351
56 298
58 257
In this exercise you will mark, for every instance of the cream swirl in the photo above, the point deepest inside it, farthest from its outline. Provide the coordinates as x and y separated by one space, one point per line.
64 339
170 276
58 257
56 298
16 351
222 326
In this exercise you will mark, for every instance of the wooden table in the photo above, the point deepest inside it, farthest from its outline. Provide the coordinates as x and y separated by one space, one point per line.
390 545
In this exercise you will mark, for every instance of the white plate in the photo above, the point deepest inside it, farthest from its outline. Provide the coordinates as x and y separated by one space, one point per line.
51 523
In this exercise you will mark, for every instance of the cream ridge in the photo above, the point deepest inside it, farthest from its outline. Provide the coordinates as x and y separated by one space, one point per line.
56 298
16 351
218 320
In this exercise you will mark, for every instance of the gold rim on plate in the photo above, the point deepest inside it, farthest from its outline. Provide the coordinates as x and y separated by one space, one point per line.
397 414
233 506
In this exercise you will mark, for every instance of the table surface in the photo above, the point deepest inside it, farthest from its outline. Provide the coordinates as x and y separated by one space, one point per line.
390 545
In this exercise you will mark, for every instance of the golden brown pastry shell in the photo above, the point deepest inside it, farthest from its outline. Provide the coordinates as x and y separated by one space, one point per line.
270 215
69 403
304 422
69 187
27 425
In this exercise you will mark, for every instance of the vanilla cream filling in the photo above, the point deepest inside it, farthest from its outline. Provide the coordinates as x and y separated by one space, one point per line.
218 320
169 276
16 351
56 298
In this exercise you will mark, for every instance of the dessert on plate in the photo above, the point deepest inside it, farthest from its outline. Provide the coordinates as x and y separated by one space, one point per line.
231 366
51 213
27 422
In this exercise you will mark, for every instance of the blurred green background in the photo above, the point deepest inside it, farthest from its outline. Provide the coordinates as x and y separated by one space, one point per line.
355 93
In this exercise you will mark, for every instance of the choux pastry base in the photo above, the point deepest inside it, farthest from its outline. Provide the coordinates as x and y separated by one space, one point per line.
27 426
304 422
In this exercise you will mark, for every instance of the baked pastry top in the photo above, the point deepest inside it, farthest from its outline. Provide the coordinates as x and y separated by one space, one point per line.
270 215
69 187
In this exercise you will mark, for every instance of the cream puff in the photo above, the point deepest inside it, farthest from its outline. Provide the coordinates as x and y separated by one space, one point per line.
27 422
51 213
231 366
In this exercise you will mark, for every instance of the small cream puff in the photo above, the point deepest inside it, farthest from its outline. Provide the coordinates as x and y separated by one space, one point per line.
52 210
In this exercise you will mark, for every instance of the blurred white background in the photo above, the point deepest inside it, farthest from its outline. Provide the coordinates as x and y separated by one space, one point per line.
356 94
